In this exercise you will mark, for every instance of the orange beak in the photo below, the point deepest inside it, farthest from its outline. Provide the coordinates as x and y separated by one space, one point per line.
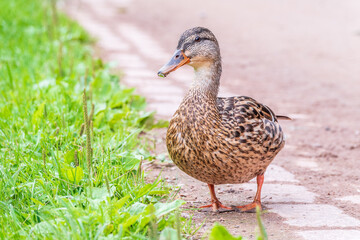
178 59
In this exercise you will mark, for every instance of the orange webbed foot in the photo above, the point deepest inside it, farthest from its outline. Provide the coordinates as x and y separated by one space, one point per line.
216 205
249 207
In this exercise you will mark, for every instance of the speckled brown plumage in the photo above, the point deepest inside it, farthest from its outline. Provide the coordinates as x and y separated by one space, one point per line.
218 140
231 140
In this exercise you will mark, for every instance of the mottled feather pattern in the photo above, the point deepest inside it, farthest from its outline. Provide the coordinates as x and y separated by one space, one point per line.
227 140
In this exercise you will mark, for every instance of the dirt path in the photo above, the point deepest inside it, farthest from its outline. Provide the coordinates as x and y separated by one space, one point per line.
301 59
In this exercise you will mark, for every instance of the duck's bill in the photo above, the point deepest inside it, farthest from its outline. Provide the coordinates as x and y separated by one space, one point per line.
178 59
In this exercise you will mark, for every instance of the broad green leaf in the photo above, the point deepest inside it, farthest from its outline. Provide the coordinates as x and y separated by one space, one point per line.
120 203
108 229
136 208
130 221
146 120
144 221
101 193
138 102
117 206
117 117
147 215
69 156
100 107
98 119
120 98
164 208
219 232
75 175
130 163
169 234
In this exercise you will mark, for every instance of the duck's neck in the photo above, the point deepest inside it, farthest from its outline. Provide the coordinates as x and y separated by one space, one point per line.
207 79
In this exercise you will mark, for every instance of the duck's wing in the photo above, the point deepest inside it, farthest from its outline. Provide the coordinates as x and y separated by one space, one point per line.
245 107
251 122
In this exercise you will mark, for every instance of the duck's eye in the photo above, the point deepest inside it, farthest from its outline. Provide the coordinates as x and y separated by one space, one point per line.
197 39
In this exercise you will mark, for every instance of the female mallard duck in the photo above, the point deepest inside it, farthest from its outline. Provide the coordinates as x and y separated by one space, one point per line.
218 140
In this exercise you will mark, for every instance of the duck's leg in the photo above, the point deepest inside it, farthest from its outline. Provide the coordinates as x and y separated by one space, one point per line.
215 203
257 199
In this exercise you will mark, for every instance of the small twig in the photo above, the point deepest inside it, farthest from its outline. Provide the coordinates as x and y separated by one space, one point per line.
82 129
76 159
92 130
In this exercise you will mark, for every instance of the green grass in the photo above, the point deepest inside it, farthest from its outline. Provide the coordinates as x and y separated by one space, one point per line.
60 175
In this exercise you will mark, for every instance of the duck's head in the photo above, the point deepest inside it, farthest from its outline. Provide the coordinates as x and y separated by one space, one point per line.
197 47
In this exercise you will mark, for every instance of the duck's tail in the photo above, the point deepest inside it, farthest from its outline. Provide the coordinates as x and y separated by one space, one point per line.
282 117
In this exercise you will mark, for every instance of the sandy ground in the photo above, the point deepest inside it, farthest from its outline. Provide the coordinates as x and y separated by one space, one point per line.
303 60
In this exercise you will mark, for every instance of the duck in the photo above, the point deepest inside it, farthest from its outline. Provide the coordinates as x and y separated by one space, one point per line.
218 140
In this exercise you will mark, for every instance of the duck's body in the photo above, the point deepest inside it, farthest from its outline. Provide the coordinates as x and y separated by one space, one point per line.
226 140
218 140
